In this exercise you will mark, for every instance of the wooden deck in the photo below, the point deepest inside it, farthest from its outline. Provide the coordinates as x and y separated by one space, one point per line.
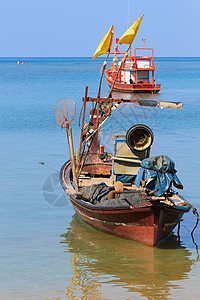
86 181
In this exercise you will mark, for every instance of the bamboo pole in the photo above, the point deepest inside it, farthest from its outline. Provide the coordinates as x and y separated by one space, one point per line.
104 66
77 157
161 104
82 127
71 152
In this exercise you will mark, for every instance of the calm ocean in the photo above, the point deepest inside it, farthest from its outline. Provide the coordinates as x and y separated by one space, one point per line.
46 251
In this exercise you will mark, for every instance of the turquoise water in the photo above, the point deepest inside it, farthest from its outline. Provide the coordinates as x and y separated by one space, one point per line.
46 251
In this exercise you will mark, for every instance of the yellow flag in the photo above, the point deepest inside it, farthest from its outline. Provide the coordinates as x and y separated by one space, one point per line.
129 35
105 44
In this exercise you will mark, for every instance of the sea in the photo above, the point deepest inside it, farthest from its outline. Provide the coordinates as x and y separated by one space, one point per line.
46 251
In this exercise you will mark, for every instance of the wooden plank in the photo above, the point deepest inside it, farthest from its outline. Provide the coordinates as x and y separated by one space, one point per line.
126 159
151 103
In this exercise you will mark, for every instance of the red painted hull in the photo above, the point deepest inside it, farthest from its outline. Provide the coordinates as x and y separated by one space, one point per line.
148 223
143 225
144 87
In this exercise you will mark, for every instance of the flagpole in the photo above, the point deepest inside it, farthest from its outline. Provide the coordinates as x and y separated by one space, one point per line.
119 69
105 63
104 66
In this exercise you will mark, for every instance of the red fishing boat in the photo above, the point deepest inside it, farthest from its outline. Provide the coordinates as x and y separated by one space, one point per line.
102 186
21 63
136 74
125 193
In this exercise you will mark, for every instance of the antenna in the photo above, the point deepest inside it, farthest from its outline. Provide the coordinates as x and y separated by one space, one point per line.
128 14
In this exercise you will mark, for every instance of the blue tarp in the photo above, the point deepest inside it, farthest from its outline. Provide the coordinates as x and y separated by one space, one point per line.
125 178
161 169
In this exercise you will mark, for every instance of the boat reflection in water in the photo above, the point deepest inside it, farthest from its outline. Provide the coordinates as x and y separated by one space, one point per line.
100 261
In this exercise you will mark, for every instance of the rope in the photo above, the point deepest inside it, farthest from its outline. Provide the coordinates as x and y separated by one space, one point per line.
44 164
197 216
195 212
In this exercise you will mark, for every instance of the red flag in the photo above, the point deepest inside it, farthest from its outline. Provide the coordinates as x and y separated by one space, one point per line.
116 41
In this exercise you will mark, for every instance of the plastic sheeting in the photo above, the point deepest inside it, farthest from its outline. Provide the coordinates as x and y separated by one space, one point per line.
161 170
97 194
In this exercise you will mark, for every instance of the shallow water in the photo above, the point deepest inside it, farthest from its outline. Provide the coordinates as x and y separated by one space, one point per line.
46 251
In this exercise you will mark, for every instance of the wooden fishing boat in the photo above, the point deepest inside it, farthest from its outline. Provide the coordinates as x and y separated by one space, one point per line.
21 63
98 187
126 193
136 74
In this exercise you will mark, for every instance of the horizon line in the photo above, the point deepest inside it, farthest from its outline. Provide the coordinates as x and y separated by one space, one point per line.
89 57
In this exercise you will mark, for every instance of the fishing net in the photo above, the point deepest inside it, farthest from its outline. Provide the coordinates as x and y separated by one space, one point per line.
65 112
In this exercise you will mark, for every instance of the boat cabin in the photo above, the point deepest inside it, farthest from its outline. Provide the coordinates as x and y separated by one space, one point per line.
136 74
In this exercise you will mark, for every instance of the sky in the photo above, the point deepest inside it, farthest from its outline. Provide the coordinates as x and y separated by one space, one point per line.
67 28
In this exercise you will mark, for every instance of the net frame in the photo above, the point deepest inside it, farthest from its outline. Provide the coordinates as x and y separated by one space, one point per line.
65 112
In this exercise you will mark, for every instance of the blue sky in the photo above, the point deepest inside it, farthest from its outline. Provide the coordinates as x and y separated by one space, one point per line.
64 28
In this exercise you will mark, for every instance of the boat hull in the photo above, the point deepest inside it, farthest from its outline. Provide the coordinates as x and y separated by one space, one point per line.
146 223
144 87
